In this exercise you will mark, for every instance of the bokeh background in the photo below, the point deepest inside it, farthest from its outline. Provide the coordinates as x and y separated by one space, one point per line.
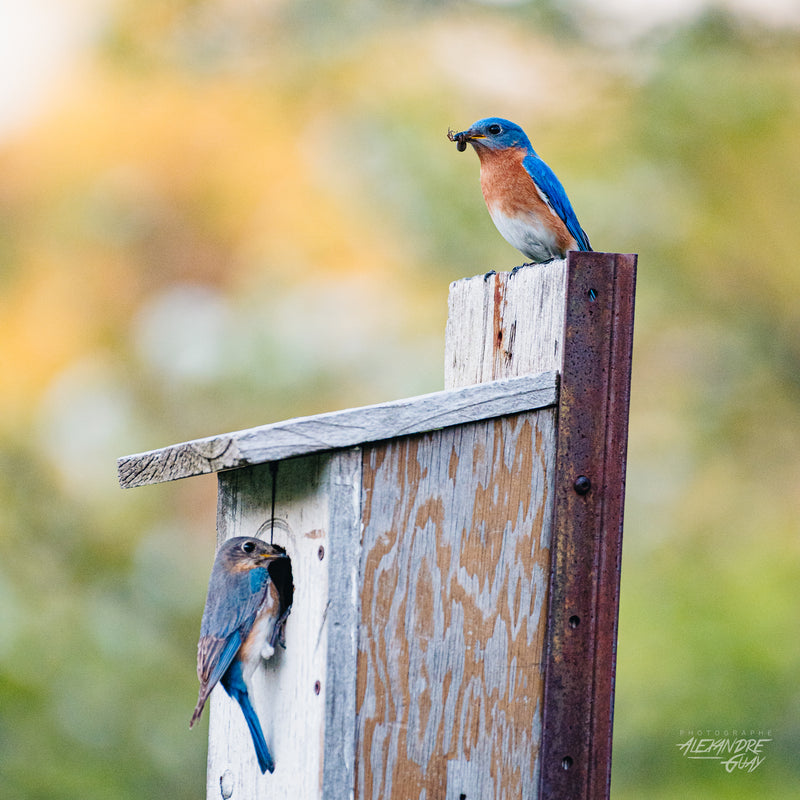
220 213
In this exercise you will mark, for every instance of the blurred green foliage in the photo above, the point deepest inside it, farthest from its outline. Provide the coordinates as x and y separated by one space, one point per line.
236 213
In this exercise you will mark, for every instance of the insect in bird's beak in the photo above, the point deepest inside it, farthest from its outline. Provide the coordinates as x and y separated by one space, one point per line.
459 138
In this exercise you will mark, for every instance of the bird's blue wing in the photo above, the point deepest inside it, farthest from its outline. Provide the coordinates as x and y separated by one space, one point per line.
231 607
220 653
233 601
546 180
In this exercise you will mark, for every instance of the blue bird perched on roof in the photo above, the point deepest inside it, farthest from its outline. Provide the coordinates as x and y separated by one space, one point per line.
526 201
246 609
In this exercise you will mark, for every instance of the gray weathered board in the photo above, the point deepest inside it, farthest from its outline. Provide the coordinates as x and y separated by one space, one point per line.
338 429
419 533
504 325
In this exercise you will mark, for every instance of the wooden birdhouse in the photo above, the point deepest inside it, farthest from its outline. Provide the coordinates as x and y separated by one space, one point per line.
455 557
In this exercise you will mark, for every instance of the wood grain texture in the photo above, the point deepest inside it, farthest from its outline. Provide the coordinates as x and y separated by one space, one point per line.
344 604
505 325
456 542
316 505
338 429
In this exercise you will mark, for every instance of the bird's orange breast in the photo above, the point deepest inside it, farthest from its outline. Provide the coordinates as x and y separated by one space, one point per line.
510 192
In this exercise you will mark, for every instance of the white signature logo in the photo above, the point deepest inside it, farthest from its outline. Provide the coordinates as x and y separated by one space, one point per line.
734 750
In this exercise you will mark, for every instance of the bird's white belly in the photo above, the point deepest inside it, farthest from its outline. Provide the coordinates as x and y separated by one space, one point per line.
532 238
260 635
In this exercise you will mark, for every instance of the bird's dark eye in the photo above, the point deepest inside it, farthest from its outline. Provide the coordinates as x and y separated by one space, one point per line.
494 129
248 547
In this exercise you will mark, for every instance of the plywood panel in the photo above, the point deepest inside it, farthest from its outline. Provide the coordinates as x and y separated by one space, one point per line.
454 595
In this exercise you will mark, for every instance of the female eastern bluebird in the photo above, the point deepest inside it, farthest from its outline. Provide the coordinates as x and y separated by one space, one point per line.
246 609
526 201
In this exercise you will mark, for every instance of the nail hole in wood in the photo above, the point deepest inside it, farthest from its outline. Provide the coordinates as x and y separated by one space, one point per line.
574 621
321 553
566 763
226 783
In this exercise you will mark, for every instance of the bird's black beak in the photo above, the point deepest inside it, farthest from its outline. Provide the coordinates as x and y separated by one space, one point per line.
268 558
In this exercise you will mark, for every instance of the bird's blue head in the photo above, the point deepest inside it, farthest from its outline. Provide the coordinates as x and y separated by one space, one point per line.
244 553
492 133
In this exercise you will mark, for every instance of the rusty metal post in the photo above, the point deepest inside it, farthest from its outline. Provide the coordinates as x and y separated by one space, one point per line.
585 568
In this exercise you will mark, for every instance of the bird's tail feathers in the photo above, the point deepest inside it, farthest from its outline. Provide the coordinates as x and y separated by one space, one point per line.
263 755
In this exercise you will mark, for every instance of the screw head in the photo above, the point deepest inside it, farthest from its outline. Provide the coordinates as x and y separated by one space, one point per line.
582 485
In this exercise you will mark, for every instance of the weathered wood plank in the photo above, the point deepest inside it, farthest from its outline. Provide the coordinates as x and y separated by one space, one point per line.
457 527
505 325
338 429
308 688
344 556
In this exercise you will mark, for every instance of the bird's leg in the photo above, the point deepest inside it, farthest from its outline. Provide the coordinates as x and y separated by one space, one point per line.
279 631
277 637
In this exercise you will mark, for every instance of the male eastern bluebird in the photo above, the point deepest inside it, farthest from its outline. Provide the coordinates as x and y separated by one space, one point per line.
246 609
526 201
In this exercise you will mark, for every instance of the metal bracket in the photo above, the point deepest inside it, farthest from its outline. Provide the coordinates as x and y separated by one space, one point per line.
587 531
